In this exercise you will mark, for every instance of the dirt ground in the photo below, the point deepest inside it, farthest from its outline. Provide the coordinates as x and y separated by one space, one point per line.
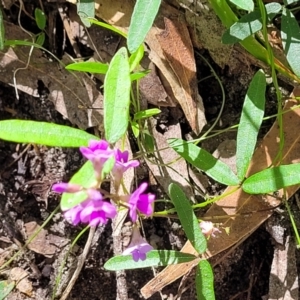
26 200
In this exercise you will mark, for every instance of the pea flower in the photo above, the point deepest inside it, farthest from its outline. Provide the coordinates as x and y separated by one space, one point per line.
138 246
92 210
208 229
141 202
121 165
98 152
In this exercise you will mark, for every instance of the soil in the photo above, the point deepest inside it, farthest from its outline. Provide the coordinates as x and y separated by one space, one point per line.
27 174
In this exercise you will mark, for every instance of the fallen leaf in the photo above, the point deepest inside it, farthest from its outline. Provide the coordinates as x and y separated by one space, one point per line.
40 244
178 51
73 96
239 203
20 276
119 15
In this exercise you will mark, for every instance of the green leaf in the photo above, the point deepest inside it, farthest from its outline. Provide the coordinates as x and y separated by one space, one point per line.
146 113
142 19
139 75
88 66
203 160
154 258
2 30
272 179
40 39
290 36
135 128
272 9
117 97
86 9
204 281
108 166
244 4
148 141
187 218
40 18
107 26
48 134
136 57
5 288
251 119
244 27
84 177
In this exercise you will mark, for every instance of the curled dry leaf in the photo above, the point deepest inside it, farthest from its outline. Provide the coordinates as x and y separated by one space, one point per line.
257 207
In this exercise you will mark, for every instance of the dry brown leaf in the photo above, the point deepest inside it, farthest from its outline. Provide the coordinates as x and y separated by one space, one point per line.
40 244
240 202
22 283
177 171
119 15
73 96
178 51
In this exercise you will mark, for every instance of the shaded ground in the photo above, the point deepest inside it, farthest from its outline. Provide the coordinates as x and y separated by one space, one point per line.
25 196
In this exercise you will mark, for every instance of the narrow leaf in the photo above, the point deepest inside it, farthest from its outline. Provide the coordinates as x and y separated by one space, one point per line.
142 19
2 30
290 36
203 160
187 218
146 113
21 131
204 281
117 97
154 258
40 39
244 4
5 288
84 177
272 179
136 57
88 66
244 27
251 119
86 9
40 18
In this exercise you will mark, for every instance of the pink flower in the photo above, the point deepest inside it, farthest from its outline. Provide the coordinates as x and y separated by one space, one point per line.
64 187
93 210
138 246
98 152
141 202
208 229
122 165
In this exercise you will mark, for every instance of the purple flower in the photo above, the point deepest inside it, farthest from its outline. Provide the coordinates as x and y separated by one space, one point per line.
93 210
142 202
208 229
64 187
121 165
138 246
98 152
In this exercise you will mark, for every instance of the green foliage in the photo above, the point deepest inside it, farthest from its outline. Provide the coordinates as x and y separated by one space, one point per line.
187 218
88 66
21 131
117 85
85 10
272 179
2 30
40 18
244 4
154 258
204 281
251 119
5 288
203 160
290 36
84 177
142 19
